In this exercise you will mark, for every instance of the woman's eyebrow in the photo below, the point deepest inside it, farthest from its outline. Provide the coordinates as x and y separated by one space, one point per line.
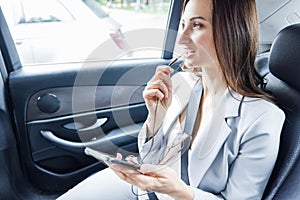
197 17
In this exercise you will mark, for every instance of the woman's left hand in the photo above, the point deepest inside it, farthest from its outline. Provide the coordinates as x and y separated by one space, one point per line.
156 178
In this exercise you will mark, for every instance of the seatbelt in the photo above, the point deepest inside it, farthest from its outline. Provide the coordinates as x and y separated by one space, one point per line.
190 120
191 116
152 196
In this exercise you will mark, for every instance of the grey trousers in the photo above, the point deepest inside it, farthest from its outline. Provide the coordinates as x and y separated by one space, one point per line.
104 185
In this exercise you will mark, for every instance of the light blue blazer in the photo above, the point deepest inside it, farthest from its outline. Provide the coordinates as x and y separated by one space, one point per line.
234 156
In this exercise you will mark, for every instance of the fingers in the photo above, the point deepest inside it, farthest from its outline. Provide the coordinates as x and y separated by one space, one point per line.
164 69
160 85
156 89
155 178
154 170
144 182
122 166
119 156
126 174
132 159
123 169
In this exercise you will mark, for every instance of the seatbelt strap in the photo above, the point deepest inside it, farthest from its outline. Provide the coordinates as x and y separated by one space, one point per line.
191 115
152 196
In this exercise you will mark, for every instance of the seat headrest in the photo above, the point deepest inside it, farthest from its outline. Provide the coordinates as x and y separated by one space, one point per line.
284 61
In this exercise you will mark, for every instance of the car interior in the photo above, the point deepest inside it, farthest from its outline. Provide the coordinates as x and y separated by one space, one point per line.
45 122
284 65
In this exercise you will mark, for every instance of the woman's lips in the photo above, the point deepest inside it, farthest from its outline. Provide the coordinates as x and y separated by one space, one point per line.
189 53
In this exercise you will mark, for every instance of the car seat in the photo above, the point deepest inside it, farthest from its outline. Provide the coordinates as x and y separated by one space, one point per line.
284 83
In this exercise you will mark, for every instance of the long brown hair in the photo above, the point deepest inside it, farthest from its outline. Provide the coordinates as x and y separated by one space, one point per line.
235 33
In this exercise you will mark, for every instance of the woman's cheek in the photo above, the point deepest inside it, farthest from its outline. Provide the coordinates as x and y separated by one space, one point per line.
205 49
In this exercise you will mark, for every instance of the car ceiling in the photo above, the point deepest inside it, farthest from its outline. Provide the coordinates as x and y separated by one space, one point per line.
274 15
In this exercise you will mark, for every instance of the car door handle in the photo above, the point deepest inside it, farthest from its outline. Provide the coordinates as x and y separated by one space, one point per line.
127 133
77 126
61 142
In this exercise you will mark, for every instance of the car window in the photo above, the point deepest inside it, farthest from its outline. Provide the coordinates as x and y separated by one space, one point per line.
88 30
45 11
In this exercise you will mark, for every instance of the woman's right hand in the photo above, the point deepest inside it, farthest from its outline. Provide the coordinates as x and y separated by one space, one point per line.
158 90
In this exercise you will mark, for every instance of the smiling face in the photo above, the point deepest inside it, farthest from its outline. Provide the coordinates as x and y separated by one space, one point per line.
197 34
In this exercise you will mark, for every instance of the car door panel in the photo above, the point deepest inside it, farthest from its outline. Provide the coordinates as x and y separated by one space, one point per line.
105 111
57 109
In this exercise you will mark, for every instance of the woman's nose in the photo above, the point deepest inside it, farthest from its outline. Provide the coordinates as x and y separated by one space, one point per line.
183 37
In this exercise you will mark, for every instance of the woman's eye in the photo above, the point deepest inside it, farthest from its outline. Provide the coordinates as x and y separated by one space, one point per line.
197 25
194 25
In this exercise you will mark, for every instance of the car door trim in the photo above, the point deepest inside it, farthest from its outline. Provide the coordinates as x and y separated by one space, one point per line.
116 134
73 126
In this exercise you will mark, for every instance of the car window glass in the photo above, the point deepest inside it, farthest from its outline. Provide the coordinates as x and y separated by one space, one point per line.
88 30
143 24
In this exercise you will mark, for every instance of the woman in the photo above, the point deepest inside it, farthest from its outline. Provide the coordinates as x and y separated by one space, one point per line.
237 129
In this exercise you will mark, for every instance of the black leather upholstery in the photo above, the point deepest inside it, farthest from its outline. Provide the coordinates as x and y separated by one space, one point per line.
284 60
284 83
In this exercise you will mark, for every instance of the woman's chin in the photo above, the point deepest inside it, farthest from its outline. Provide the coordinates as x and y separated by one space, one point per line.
192 69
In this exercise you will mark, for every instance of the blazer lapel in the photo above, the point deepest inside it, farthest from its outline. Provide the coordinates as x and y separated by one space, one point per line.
213 137
183 84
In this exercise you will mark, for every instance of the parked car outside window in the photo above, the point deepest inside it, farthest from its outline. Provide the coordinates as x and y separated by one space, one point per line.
59 30
64 31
